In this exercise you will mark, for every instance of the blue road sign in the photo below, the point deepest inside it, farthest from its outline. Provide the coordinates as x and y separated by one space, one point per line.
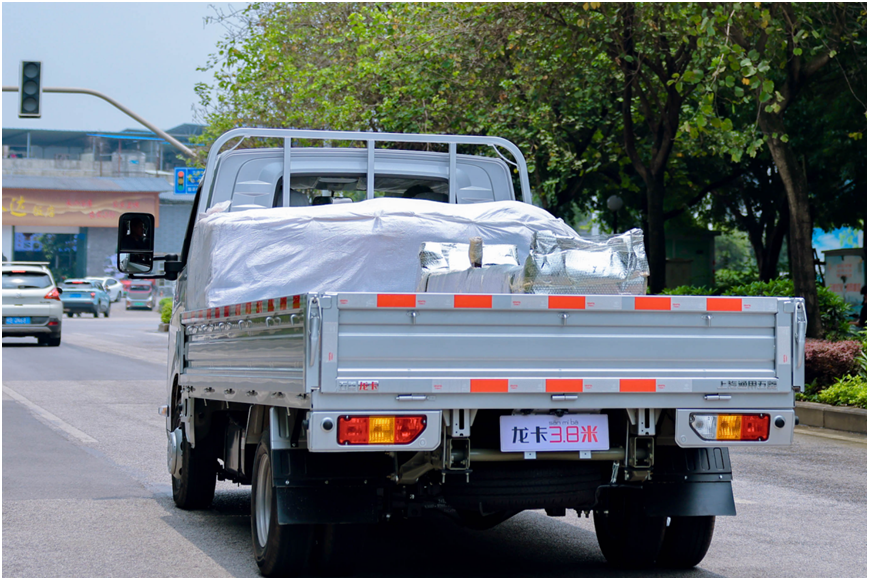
187 179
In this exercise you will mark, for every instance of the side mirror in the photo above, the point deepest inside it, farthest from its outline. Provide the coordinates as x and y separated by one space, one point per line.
136 243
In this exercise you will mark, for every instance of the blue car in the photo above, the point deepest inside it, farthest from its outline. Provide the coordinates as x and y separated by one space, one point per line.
85 296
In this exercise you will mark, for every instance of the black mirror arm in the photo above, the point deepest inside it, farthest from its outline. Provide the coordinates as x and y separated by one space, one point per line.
171 268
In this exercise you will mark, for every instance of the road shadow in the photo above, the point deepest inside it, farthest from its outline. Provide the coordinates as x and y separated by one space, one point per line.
528 545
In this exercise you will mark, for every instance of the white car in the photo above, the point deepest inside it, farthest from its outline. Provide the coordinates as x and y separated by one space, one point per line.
31 302
112 286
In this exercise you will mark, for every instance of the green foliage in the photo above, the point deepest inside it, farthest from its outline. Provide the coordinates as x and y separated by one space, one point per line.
861 359
689 291
727 279
850 391
165 310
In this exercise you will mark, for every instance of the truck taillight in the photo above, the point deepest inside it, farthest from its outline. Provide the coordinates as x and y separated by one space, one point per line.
53 295
731 427
380 430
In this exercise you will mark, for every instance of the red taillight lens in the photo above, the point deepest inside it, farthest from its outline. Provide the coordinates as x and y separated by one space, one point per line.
380 430
408 428
53 295
93 294
353 430
755 427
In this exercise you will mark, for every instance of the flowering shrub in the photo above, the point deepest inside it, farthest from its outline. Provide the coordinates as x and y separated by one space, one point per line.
826 361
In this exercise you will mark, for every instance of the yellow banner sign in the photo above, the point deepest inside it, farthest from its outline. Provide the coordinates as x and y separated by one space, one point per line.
35 207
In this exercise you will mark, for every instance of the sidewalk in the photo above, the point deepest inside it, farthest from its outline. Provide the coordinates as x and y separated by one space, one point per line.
829 417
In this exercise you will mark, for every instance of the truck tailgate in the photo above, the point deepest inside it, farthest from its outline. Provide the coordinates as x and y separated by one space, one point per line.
431 344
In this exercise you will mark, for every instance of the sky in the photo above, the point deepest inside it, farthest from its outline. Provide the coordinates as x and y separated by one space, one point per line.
142 54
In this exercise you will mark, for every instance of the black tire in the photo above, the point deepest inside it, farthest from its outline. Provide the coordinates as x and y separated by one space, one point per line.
280 551
96 312
686 541
50 340
69 314
195 488
108 310
628 537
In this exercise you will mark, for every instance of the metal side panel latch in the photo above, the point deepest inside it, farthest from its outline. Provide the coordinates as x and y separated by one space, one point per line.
800 334
314 338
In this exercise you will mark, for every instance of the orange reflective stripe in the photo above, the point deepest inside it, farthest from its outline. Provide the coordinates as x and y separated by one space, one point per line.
563 385
472 301
637 385
652 303
489 385
724 304
396 300
567 302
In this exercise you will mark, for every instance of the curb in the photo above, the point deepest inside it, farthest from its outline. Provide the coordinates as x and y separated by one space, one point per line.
164 327
831 417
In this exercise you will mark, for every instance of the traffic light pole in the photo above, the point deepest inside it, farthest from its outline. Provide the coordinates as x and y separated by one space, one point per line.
172 140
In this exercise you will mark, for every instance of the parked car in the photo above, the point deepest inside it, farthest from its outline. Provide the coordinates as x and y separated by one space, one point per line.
31 302
141 295
112 286
85 296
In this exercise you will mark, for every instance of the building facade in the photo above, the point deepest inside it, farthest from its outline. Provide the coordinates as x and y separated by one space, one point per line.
63 192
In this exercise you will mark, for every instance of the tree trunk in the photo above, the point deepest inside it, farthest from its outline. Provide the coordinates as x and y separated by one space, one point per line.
800 231
656 248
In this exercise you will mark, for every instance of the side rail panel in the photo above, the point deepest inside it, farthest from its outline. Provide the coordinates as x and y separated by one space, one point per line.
255 352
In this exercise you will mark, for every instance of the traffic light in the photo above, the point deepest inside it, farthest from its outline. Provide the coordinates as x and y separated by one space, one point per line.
30 91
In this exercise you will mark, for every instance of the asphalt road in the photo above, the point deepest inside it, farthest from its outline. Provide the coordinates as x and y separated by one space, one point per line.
86 492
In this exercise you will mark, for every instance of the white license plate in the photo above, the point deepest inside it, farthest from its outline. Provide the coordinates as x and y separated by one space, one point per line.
17 320
552 433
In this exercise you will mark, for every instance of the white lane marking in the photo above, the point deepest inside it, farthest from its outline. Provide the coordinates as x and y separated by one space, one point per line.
745 501
50 419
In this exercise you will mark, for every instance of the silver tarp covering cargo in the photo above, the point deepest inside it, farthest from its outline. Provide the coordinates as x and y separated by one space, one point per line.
573 265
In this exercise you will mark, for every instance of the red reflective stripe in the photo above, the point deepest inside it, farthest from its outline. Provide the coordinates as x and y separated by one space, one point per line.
724 304
238 309
271 305
259 307
489 385
563 385
247 308
637 385
472 301
396 300
567 302
226 311
208 313
283 303
297 301
652 303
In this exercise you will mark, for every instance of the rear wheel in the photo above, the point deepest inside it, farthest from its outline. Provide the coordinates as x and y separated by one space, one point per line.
194 488
686 541
280 550
50 340
628 537
108 310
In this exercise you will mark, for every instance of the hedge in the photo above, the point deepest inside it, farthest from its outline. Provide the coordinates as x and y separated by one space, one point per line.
165 310
827 361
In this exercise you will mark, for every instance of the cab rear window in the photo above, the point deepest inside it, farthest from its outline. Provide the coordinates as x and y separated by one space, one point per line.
139 288
23 281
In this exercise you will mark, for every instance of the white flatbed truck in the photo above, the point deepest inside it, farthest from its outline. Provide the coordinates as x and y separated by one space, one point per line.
361 407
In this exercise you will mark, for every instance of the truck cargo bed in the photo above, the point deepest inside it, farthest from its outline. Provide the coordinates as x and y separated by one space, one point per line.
363 350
